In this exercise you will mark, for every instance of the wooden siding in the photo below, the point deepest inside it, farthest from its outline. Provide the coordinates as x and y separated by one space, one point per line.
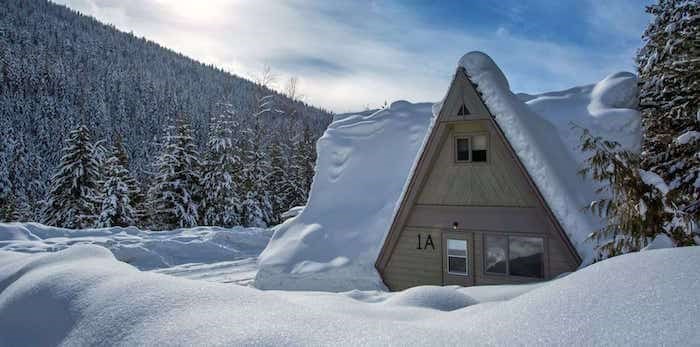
492 183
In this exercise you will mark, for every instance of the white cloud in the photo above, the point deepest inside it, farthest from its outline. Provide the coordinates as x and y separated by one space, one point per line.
346 54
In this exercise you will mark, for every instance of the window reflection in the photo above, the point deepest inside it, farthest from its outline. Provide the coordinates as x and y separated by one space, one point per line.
526 256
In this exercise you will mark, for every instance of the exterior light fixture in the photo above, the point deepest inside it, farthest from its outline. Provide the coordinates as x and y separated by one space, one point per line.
455 225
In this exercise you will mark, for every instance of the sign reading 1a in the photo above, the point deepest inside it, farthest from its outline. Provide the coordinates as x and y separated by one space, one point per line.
428 242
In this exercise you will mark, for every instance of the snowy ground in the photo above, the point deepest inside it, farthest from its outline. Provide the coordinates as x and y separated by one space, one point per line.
207 253
84 296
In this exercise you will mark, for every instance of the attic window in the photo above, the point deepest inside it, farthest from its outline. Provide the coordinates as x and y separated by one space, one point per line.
463 111
471 148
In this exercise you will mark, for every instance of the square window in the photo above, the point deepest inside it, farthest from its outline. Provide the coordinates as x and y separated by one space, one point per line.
479 146
462 145
526 256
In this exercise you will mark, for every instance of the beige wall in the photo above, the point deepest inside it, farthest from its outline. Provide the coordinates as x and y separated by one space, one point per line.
492 197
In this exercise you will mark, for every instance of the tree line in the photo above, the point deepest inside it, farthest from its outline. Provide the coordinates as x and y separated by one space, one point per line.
235 180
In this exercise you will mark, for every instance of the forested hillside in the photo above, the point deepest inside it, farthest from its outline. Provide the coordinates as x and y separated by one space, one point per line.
60 70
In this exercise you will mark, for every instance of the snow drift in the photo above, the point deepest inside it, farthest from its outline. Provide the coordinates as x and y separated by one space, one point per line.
83 296
364 162
144 249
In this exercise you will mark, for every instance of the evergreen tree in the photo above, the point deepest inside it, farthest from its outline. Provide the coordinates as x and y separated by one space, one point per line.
669 81
136 196
174 194
221 203
256 208
283 192
633 209
304 160
7 203
74 196
116 209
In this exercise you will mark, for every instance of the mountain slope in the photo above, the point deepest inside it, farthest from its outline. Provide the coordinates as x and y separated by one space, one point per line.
58 67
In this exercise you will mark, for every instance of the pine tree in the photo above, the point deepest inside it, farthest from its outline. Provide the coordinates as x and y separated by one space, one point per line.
304 160
175 193
633 210
221 203
74 196
669 81
7 201
256 208
116 208
283 191
136 196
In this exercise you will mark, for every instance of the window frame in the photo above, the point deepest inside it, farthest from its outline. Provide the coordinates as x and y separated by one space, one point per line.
465 257
470 138
545 255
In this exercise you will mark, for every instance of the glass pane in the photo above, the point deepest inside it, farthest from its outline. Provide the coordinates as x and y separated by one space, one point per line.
457 265
479 156
495 261
526 256
479 142
457 247
462 149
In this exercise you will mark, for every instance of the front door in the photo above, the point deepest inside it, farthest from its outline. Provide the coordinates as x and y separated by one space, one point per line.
458 258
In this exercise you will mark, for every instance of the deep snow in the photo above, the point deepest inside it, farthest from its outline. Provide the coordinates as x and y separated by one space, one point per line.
144 249
83 296
364 161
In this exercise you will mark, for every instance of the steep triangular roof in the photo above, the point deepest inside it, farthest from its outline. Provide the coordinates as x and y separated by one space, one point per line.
463 102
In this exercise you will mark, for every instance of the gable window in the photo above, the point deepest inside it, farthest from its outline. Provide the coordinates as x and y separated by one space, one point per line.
514 255
462 149
463 111
471 148
457 257
479 144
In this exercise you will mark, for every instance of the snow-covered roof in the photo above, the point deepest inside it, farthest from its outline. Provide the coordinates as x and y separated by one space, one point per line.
365 161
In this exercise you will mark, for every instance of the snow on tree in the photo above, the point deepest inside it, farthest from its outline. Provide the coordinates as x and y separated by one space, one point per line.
7 203
74 196
116 209
669 75
302 168
283 191
221 203
174 194
136 196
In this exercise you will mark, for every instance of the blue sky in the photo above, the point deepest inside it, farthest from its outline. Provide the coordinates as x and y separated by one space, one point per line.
349 55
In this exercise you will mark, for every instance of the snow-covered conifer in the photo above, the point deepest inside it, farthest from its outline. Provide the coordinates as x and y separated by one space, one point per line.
74 196
174 193
221 202
116 208
669 77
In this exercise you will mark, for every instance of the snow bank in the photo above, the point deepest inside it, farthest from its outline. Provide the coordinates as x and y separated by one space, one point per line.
143 249
365 160
363 164
83 296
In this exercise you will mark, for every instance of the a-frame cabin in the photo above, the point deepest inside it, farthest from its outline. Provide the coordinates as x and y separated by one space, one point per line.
471 214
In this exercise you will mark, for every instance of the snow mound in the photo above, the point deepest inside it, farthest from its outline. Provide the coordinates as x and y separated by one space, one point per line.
437 298
143 249
364 161
83 296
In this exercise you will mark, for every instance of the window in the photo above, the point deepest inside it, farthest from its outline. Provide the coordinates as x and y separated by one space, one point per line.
496 254
463 149
457 257
463 111
479 144
514 256
471 148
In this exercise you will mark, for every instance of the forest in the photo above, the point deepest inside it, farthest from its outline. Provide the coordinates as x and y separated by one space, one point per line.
94 122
